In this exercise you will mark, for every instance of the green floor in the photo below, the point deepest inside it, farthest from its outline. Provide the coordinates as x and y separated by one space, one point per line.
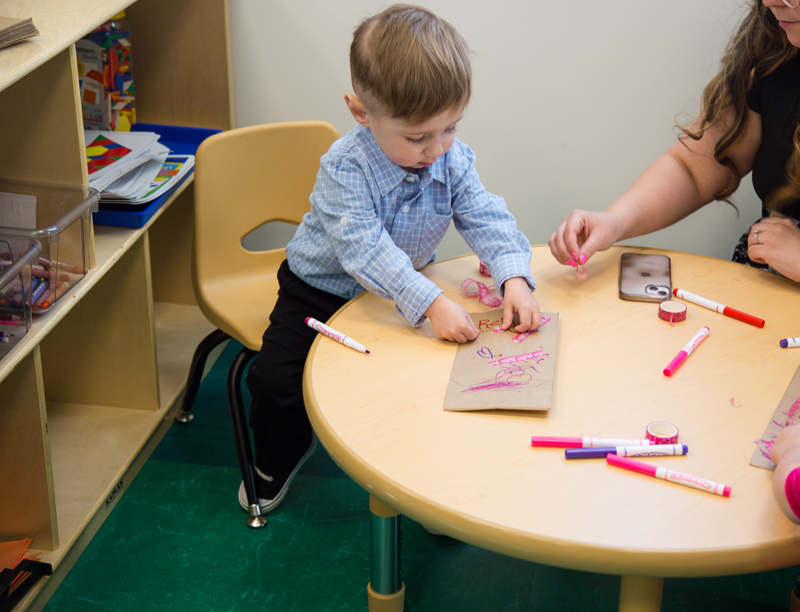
178 541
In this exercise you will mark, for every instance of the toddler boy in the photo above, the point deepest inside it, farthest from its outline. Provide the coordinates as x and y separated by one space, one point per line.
384 197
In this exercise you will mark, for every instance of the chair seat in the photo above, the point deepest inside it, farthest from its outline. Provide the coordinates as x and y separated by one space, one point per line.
241 306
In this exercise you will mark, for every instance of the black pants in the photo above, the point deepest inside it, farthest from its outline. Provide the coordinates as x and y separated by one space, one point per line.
281 431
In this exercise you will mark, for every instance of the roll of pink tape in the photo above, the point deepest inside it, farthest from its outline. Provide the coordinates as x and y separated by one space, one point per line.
661 432
672 311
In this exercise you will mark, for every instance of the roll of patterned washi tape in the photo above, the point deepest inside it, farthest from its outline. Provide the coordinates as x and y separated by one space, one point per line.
672 311
661 432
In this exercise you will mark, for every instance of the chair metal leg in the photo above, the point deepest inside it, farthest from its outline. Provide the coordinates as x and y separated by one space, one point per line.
201 353
241 435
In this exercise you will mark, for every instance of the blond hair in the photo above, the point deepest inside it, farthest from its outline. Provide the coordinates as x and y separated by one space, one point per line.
408 64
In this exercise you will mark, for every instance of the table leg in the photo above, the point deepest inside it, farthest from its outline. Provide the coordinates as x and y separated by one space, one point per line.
640 594
385 591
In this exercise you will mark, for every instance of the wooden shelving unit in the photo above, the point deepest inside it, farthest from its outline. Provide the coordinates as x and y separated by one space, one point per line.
88 393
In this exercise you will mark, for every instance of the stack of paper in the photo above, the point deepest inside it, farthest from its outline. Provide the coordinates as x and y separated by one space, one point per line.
14 30
132 167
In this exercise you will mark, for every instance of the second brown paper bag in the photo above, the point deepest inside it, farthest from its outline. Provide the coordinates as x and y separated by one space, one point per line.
506 370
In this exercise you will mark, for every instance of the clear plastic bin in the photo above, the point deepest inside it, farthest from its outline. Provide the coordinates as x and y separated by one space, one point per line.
17 256
59 217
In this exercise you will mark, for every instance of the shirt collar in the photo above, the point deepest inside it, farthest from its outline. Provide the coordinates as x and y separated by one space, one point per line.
391 173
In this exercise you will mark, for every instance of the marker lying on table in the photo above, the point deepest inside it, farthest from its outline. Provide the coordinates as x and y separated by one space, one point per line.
686 351
653 450
585 442
670 475
726 310
338 336
790 342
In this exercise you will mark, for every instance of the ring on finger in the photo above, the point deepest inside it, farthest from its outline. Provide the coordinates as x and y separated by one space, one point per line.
756 236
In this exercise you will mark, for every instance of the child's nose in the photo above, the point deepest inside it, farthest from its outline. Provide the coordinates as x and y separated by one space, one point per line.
437 148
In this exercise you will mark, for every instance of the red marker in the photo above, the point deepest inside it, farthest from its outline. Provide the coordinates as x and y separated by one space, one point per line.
726 310
669 475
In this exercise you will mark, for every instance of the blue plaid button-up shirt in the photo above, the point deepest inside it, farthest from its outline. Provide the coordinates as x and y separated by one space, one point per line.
373 225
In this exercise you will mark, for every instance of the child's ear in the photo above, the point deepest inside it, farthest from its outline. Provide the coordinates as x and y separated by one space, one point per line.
357 109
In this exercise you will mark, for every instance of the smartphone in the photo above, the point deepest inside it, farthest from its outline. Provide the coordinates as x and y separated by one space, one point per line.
645 277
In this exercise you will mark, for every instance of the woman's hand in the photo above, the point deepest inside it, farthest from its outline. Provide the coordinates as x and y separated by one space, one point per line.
584 233
776 242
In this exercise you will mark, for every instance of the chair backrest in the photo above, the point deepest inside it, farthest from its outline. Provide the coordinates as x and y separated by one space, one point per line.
244 178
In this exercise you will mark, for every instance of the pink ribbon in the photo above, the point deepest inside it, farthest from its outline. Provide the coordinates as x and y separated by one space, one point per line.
486 295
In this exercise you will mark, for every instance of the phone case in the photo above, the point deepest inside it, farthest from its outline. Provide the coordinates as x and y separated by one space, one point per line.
644 277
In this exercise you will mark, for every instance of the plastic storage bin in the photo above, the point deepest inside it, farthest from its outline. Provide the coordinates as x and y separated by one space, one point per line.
17 257
59 217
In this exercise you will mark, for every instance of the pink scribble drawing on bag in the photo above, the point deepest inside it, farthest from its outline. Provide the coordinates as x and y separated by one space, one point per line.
515 372
767 448
792 411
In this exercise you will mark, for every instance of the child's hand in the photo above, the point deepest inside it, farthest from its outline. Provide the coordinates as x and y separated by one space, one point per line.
785 453
450 321
518 298
789 438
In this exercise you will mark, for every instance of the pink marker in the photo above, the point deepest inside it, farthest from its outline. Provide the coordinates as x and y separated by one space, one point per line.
669 475
561 442
686 351
338 336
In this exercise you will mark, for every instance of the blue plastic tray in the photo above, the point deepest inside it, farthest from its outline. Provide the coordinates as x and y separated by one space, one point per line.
181 141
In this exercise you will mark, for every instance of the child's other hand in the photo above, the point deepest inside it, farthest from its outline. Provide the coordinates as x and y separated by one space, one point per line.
518 298
789 438
785 453
450 321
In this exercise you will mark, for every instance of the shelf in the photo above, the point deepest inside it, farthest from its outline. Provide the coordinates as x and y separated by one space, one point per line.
58 29
91 389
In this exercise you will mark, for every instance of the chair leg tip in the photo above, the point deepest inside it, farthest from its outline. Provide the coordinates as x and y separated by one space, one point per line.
255 520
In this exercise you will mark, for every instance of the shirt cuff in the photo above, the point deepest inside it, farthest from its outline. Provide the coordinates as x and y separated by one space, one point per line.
511 267
414 300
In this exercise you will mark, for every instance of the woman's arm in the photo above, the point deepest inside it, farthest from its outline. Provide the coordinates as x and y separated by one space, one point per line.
684 179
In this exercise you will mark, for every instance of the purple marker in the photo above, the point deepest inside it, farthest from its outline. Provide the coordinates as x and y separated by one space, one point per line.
654 450
790 342
38 292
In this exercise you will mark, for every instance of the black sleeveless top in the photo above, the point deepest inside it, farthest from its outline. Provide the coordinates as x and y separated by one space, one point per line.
777 99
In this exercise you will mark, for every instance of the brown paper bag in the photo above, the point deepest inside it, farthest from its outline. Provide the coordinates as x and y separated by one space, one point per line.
787 413
506 370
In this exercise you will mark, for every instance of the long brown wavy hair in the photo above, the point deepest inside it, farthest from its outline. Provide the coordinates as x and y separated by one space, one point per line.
757 49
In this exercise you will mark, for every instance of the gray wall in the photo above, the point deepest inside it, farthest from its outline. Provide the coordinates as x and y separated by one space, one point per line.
572 100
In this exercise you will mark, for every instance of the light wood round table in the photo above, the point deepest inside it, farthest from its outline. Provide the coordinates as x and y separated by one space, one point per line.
474 475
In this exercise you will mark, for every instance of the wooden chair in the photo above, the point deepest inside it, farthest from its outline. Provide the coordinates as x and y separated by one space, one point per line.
245 178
